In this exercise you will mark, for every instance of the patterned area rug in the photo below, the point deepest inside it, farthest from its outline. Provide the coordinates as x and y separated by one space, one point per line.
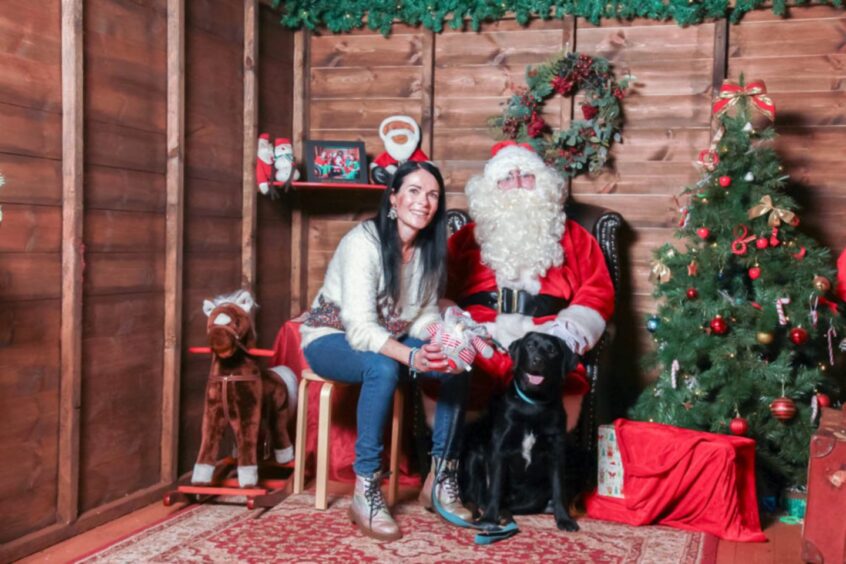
294 531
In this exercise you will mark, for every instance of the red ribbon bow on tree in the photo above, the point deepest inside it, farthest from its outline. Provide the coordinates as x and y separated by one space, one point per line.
731 93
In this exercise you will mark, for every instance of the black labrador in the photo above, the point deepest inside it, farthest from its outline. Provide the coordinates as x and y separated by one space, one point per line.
513 462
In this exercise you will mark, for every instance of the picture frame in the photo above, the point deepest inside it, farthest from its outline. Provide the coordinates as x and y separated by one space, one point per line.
342 162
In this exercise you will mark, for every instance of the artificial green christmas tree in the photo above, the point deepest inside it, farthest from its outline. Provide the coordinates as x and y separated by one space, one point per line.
745 332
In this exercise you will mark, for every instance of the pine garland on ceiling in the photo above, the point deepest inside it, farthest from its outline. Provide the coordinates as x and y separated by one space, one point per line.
346 15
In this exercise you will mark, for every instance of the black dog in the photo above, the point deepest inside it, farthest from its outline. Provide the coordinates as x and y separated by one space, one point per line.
514 459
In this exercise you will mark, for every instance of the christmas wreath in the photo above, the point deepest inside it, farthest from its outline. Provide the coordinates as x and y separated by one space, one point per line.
583 147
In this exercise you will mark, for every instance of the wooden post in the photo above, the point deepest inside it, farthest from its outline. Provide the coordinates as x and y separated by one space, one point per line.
71 329
720 70
173 245
299 238
248 221
427 87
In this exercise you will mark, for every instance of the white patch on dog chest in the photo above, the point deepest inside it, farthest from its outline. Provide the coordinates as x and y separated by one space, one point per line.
528 443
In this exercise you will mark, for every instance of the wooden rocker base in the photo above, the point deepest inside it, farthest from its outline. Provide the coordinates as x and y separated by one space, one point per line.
273 486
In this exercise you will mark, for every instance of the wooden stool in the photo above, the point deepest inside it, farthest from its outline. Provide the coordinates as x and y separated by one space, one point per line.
323 426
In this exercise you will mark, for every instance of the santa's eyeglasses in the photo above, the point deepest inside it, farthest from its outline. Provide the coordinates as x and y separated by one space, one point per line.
517 179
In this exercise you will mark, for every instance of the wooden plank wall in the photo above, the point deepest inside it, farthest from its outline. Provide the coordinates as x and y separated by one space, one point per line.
213 138
124 107
30 263
354 84
125 121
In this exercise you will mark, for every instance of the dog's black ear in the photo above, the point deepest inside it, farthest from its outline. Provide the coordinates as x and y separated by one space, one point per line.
514 351
569 359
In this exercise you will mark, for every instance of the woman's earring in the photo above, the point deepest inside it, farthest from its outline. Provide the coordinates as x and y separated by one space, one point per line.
392 214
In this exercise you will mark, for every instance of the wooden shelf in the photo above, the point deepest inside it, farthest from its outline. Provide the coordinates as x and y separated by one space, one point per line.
334 186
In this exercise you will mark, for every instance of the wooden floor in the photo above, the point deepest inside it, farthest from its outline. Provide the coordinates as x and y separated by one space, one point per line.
782 548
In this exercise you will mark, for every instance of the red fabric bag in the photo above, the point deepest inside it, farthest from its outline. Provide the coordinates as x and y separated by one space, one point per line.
824 530
685 479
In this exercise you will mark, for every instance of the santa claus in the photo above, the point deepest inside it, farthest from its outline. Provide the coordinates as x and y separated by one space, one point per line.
522 266
401 135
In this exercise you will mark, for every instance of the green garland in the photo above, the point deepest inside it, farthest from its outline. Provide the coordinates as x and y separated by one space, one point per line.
346 15
584 146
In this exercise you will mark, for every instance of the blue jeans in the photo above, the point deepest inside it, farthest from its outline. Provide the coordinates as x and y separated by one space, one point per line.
332 358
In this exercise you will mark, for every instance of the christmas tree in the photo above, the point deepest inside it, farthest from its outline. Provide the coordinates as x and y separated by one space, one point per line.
746 329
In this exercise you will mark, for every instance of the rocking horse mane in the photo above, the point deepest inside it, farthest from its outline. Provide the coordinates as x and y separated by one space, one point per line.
242 298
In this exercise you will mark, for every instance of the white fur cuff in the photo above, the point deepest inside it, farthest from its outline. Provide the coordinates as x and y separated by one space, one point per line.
290 380
202 474
247 476
580 327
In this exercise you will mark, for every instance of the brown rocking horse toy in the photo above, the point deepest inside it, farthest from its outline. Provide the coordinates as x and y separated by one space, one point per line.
240 394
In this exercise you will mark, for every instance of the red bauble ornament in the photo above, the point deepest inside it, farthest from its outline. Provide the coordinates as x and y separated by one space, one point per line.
783 408
703 232
798 336
692 293
755 272
725 181
823 400
739 426
762 243
719 325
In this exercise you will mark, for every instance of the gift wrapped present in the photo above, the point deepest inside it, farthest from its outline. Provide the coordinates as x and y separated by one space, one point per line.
610 466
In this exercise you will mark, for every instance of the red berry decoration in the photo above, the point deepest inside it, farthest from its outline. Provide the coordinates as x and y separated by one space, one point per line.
823 400
798 336
703 232
755 272
739 426
725 181
762 243
719 325
692 293
783 408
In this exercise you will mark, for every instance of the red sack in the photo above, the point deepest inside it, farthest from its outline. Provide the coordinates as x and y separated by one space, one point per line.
824 531
685 479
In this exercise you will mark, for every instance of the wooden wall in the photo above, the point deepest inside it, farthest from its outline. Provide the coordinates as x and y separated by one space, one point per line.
453 81
119 415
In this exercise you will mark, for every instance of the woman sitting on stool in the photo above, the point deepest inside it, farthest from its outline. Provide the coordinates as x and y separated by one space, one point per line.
379 295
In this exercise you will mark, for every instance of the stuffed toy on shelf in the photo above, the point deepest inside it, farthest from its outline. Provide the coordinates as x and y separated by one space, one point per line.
284 163
401 135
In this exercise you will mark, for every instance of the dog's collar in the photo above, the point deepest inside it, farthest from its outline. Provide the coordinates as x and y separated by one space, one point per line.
524 397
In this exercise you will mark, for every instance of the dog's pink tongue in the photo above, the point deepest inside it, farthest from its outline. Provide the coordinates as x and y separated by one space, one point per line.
535 379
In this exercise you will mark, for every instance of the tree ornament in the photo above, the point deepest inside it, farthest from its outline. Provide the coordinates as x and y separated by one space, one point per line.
823 400
783 408
653 323
755 272
749 177
725 181
755 91
780 303
798 336
708 159
762 243
719 325
703 232
660 273
692 293
764 337
739 426
584 146
821 284
693 269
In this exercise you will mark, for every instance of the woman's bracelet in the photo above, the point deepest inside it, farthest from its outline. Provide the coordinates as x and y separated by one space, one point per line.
411 356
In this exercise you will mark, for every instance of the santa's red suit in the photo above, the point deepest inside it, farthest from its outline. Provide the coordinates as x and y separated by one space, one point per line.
582 280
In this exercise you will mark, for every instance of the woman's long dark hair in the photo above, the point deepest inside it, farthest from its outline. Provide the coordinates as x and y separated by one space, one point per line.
431 240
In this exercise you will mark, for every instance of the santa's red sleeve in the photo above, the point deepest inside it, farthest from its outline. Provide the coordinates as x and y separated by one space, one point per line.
595 289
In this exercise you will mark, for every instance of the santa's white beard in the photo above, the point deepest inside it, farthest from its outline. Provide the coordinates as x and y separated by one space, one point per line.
400 151
519 231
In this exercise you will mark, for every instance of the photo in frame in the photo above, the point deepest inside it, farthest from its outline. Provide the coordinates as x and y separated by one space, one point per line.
335 161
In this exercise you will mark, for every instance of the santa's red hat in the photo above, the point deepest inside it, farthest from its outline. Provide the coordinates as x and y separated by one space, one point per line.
508 155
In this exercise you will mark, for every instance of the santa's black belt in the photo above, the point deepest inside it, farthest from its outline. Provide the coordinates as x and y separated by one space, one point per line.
508 300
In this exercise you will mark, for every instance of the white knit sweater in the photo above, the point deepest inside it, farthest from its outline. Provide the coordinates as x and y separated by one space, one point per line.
353 281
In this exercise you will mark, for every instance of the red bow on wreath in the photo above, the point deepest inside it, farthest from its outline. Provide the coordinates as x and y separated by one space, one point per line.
731 93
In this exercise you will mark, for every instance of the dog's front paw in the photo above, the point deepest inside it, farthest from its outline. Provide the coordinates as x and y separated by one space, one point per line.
567 524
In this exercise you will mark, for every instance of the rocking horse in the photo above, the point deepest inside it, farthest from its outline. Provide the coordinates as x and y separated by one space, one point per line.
239 393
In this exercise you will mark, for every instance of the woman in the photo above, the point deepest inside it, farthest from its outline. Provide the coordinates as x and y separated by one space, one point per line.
367 323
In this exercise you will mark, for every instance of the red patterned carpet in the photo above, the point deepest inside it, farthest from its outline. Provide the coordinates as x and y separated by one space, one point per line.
295 532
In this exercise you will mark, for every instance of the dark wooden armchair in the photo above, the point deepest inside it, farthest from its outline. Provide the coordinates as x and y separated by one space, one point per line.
605 225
